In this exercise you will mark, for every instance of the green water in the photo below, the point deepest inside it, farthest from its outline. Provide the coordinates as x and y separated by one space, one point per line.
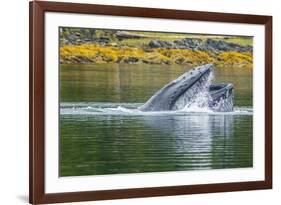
101 131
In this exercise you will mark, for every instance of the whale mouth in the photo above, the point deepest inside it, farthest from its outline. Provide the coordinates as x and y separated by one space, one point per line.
192 90
198 91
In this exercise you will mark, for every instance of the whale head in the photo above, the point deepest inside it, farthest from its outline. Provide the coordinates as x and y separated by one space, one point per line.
179 91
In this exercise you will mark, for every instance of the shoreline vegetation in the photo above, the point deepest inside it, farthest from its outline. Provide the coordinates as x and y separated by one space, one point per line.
87 46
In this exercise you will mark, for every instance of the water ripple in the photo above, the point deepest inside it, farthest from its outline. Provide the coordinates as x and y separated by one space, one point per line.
131 109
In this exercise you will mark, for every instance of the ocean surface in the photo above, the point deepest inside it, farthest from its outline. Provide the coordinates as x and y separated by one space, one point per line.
103 132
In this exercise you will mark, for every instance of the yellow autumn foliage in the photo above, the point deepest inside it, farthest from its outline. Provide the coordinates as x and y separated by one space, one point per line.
92 53
235 58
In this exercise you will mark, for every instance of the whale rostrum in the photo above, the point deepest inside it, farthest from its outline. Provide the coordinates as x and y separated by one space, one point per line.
193 88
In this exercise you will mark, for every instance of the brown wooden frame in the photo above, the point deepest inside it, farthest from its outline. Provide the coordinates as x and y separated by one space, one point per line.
37 194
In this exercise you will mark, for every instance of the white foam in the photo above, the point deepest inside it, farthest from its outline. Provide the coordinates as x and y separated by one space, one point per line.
128 109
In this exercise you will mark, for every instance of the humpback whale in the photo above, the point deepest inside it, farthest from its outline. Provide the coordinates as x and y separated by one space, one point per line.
192 87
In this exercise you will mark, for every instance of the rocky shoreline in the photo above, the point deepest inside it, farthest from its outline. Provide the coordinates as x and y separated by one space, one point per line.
86 48
210 45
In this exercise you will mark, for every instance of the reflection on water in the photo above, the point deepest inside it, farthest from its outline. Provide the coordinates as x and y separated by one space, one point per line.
114 137
110 140
200 137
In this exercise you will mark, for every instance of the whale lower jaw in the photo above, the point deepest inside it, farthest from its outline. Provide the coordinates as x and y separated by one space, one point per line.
223 105
222 97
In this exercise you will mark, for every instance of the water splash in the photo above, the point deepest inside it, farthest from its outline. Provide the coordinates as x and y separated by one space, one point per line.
132 109
197 97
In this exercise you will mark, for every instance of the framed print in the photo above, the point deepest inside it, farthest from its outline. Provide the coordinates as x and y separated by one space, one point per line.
138 102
